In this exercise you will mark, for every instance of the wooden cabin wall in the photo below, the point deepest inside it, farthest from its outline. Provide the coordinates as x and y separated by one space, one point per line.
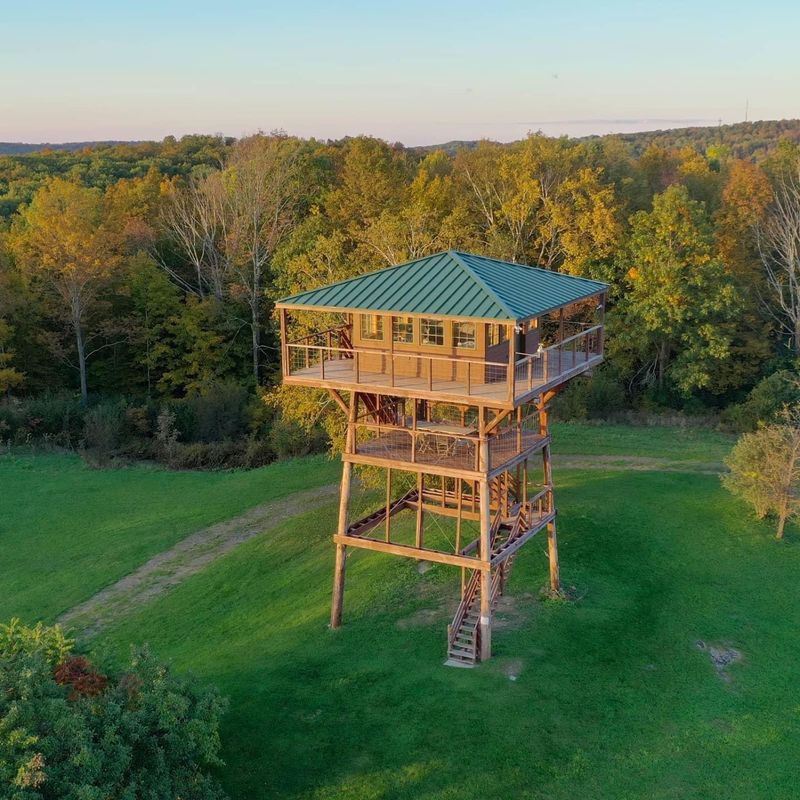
415 367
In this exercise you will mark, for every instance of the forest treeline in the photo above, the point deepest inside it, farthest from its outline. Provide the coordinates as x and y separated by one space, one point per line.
146 274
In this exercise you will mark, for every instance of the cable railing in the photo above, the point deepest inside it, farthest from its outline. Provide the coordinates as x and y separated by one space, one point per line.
330 356
444 444
551 362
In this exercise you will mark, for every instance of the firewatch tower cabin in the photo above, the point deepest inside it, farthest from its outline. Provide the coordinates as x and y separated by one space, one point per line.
444 367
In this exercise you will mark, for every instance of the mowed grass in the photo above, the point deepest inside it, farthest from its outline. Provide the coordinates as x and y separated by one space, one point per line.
605 697
679 444
67 530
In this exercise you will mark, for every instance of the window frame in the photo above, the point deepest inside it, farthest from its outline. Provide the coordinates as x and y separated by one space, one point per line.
363 329
408 325
429 322
458 341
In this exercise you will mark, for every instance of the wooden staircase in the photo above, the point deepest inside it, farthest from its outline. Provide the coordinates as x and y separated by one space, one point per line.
463 634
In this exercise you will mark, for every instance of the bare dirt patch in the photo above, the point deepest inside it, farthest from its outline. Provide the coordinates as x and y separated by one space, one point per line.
187 557
721 656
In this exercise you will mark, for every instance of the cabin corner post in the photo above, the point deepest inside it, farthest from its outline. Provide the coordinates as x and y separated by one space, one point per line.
337 601
284 344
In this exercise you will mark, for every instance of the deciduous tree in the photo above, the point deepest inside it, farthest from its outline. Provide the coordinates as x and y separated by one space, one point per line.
63 241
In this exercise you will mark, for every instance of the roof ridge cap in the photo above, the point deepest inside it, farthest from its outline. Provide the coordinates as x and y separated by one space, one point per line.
456 256
534 267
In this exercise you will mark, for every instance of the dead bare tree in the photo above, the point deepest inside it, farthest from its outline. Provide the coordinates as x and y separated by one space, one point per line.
194 221
262 192
778 238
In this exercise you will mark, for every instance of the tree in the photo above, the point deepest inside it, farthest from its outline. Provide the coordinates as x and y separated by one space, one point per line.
62 240
779 247
10 377
765 470
677 315
68 730
263 189
540 201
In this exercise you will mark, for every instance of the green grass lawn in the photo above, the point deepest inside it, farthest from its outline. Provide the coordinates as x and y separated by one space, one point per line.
680 444
605 697
67 530
612 697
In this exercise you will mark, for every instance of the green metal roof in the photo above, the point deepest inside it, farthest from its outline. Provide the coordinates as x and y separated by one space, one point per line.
453 284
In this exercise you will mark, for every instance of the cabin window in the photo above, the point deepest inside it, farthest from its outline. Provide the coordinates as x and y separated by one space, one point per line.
403 329
432 331
464 335
372 326
496 334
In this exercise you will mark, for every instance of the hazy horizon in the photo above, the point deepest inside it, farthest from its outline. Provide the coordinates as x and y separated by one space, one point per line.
420 74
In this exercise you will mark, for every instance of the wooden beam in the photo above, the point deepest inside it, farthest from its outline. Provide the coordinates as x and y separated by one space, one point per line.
498 418
339 400
408 466
422 554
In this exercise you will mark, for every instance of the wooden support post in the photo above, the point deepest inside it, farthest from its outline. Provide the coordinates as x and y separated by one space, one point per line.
486 574
388 501
337 601
341 550
552 535
420 489
459 506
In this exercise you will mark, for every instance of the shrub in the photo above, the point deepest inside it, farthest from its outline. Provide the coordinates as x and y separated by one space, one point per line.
290 440
599 397
69 731
104 429
242 454
220 413
764 470
764 403
57 415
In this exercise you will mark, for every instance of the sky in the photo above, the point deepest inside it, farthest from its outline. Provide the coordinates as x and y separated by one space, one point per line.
417 72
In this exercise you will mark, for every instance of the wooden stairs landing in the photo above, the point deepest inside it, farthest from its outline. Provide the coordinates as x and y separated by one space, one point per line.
463 634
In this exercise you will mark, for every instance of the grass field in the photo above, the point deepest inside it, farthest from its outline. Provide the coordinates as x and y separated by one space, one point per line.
68 530
610 696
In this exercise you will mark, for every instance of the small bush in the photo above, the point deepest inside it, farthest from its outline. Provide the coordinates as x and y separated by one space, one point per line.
220 413
104 430
764 403
68 730
290 440
600 397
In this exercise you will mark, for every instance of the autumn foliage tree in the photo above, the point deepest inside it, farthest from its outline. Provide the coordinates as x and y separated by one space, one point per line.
63 243
765 470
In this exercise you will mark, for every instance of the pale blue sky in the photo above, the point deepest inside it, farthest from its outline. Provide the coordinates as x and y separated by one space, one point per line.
417 72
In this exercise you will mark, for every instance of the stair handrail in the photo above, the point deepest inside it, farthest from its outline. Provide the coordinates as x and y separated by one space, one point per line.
472 585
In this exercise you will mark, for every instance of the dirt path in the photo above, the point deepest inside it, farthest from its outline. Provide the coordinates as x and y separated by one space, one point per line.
190 555
195 552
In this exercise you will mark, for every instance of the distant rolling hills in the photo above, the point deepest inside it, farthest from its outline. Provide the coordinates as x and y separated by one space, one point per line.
742 139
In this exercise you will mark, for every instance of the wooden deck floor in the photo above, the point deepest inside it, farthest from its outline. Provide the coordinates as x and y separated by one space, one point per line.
340 373
457 453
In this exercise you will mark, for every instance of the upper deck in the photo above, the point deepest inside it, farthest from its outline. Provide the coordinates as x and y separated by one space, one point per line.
452 326
329 360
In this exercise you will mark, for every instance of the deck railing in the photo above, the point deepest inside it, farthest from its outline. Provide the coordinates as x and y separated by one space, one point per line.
551 362
329 355
398 442
462 376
